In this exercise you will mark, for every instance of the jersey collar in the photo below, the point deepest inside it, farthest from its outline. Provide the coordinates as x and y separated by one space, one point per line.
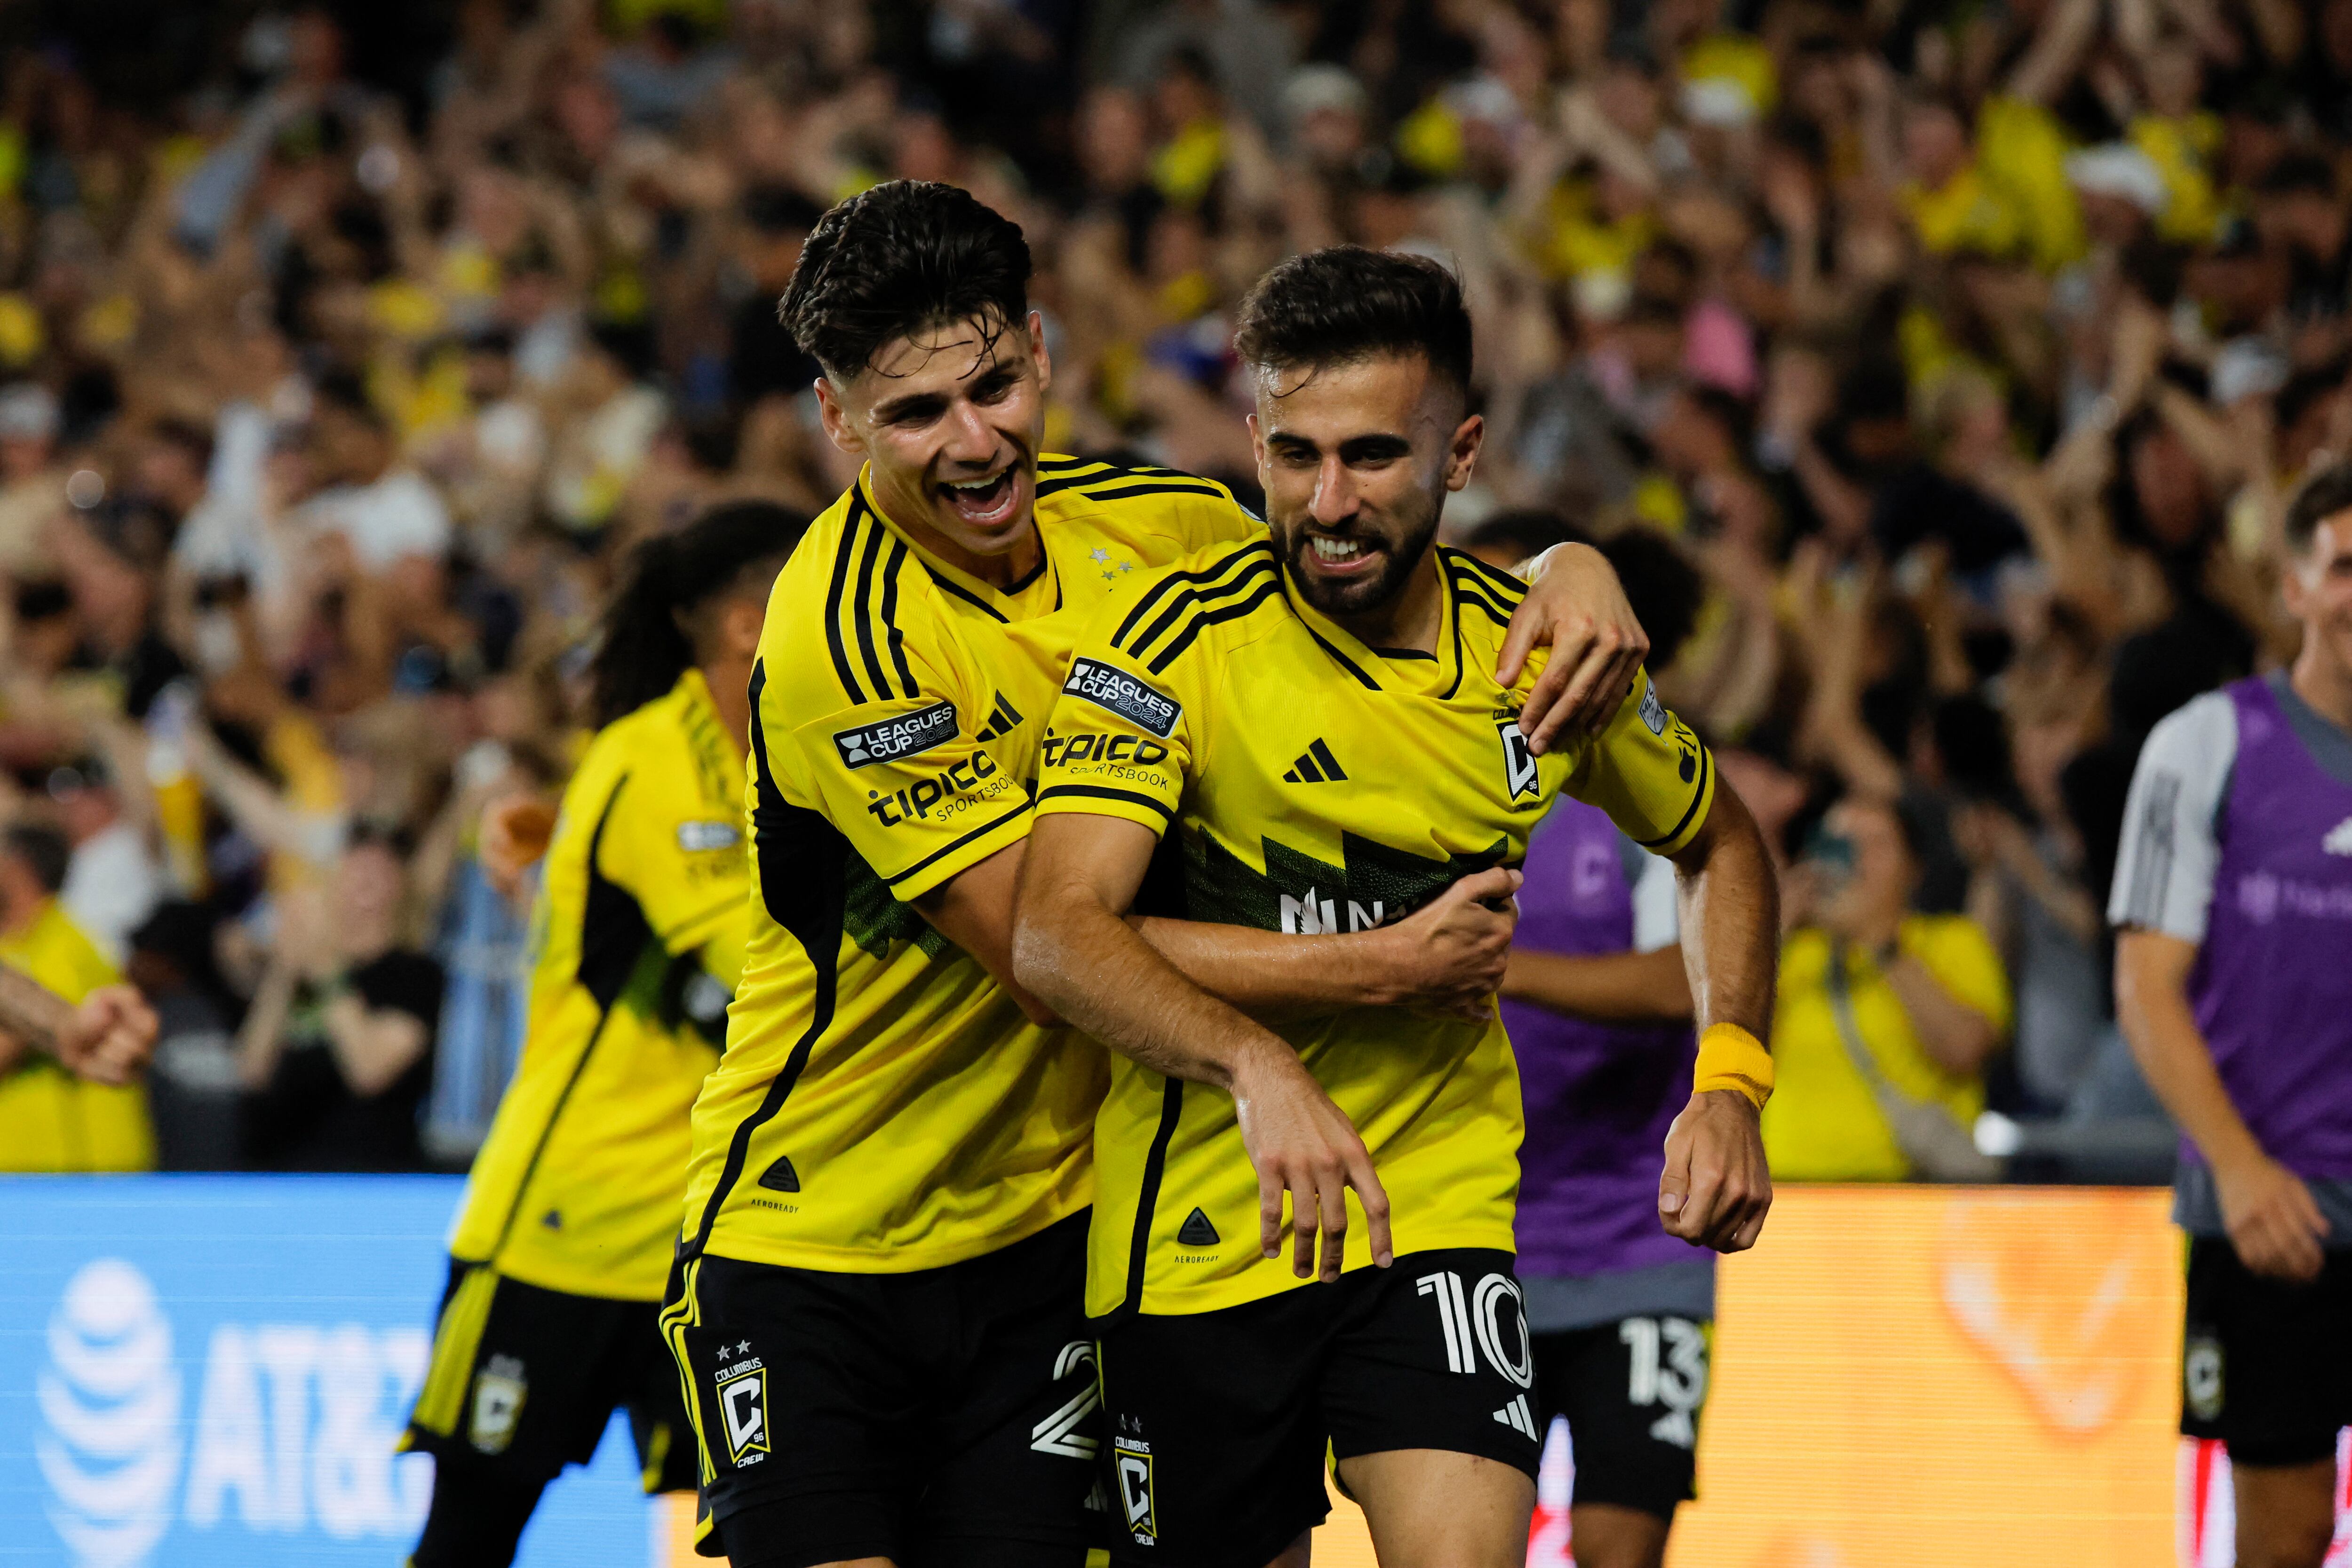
1040 593
1404 672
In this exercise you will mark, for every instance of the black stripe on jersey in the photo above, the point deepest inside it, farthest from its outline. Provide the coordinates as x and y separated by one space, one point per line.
1102 792
947 585
1343 659
987 826
1510 590
1179 586
1233 612
1698 793
897 639
803 882
1198 487
1470 590
842 668
859 609
1171 1110
1044 563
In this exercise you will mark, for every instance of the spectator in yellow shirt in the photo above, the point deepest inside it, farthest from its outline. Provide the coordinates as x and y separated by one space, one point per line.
51 1120
1878 1006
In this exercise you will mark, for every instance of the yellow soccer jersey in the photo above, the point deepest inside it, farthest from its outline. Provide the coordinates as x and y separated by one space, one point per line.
883 1106
1319 785
638 940
50 1120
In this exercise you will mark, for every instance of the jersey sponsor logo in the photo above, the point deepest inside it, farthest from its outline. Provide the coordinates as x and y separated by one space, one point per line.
1095 746
1116 691
743 1393
1519 766
1653 712
1315 765
2338 841
897 739
1132 1458
952 791
1312 914
1063 1433
499 1389
696 837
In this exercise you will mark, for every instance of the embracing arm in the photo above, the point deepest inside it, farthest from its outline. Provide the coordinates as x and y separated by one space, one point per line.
106 1039
1075 948
1608 988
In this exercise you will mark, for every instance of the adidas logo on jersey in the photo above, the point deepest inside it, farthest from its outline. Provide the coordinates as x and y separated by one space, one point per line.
1197 1231
781 1176
2338 841
1317 767
1517 1415
1001 720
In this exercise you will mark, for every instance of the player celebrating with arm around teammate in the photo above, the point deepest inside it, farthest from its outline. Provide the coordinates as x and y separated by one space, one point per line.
1316 715
2233 901
559 1256
877 1306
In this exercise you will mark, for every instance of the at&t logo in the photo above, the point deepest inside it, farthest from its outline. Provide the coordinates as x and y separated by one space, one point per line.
110 1403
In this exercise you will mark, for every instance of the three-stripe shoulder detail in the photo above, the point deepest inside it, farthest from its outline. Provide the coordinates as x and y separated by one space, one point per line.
1478 586
861 609
1102 481
1171 613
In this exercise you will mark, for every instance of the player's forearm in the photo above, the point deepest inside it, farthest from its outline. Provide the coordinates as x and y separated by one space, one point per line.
32 1017
1270 974
1730 906
1610 987
2152 1008
1098 973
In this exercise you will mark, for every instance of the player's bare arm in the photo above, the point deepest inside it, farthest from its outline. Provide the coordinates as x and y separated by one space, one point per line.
1716 1189
107 1038
1074 947
2272 1220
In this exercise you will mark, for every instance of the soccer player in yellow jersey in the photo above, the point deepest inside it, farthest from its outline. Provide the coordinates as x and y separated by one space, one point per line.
1317 716
561 1251
877 1308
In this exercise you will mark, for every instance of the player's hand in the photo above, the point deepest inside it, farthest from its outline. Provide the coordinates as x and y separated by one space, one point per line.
1715 1189
1576 607
515 832
1448 958
110 1037
1301 1143
2272 1218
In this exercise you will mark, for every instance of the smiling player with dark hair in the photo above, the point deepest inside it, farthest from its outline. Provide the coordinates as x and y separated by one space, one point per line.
877 1305
1313 722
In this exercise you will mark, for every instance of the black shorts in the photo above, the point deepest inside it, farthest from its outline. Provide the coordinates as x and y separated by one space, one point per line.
523 1382
2266 1366
1220 1420
1632 1392
944 1417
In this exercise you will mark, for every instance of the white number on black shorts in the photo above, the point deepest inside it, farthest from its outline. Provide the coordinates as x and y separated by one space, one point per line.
1668 1367
1058 1434
1476 1324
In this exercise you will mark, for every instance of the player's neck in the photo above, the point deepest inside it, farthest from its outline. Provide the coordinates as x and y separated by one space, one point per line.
2321 679
730 681
1412 621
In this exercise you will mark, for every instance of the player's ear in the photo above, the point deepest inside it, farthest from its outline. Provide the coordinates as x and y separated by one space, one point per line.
1462 453
1037 354
835 417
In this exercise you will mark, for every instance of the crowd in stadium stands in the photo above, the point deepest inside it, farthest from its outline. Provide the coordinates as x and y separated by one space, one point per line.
1935 372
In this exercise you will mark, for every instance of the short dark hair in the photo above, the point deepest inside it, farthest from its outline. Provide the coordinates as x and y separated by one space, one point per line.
891 261
1345 304
2322 495
43 849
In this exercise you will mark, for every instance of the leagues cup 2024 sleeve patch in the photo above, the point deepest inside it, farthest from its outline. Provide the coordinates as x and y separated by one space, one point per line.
898 737
1116 691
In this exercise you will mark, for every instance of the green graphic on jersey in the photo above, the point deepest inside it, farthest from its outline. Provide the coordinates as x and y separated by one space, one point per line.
1372 885
874 920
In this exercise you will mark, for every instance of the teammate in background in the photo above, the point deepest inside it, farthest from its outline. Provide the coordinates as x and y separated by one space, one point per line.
1598 1011
1318 715
2234 897
877 1304
560 1252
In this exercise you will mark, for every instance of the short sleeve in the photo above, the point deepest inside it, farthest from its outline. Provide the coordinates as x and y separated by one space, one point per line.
682 859
2165 863
906 779
1119 743
1961 957
1648 771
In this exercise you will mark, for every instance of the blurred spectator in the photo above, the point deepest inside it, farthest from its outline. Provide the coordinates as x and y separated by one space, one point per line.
1885 1019
336 1051
50 1120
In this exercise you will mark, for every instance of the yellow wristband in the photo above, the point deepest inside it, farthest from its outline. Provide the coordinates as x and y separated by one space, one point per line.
1730 1058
